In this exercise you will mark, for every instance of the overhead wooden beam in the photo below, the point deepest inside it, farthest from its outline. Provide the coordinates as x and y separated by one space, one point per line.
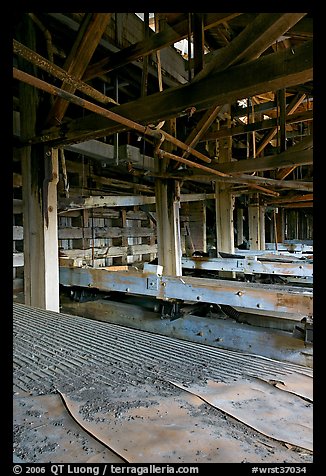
247 46
271 162
282 69
203 125
158 134
258 126
88 37
294 104
252 41
297 205
293 198
76 203
251 179
58 72
156 42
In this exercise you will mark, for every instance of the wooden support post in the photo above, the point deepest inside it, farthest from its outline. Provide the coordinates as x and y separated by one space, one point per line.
224 218
39 188
254 223
50 231
224 203
280 225
168 228
262 232
198 35
239 226
281 103
41 263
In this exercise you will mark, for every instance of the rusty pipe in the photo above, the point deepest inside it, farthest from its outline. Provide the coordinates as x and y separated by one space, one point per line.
145 130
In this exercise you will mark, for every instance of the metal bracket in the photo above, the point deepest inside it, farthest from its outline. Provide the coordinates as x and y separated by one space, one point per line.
152 283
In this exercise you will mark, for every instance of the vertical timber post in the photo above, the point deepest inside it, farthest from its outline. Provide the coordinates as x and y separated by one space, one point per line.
39 188
167 193
254 222
224 204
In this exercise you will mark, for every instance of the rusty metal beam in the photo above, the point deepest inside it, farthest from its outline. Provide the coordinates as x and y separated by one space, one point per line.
59 73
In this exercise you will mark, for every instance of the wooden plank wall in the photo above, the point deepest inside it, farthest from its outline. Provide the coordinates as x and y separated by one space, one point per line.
107 236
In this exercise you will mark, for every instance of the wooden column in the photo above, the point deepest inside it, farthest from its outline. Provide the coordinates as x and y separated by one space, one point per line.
198 39
168 222
168 227
41 263
224 203
281 106
262 233
39 189
239 226
50 232
280 225
254 222
167 193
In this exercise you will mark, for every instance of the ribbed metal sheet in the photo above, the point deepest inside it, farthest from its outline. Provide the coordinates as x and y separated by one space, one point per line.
53 350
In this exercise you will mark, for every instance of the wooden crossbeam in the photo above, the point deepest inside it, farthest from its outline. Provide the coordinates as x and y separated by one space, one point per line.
156 42
270 72
88 37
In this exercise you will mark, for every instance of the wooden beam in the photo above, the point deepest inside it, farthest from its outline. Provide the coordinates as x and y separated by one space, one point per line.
297 205
252 179
58 72
293 198
76 233
219 291
270 72
294 104
158 134
203 125
257 126
271 162
232 54
76 203
252 41
88 37
109 252
156 42
281 107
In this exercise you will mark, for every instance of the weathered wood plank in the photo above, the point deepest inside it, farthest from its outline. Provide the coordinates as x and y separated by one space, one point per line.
17 180
71 233
110 252
123 201
259 296
17 233
17 206
18 260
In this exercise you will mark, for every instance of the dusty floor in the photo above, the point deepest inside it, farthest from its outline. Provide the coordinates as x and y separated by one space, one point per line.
89 391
